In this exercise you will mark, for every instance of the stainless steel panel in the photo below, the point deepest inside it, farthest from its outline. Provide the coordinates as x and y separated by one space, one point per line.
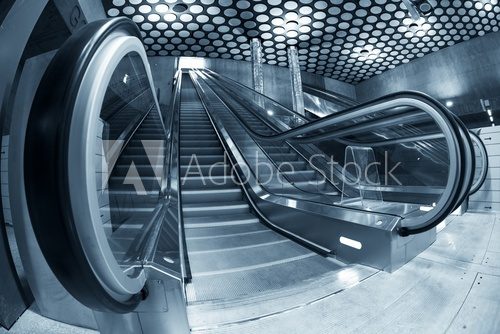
494 149
494 161
422 297
479 312
490 130
485 196
52 299
468 236
482 206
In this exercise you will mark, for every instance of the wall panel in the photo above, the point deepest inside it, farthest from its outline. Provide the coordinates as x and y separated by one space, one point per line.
488 197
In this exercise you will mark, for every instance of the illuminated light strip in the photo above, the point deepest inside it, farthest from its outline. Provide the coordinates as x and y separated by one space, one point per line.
351 243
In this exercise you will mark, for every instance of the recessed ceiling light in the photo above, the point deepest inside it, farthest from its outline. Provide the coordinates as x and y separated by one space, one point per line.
161 9
367 52
449 104
424 6
180 8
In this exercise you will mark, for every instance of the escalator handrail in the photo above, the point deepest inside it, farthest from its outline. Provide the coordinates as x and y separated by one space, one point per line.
47 183
261 95
170 186
328 96
468 186
399 117
436 110
342 131
468 162
484 172
248 178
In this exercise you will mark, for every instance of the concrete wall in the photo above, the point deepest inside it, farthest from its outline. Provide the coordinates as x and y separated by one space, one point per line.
163 71
487 199
463 73
277 82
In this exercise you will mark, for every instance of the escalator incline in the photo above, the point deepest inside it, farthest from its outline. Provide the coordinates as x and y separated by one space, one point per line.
231 253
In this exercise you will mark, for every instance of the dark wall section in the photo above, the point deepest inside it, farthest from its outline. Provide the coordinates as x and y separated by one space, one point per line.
463 73
276 79
28 29
5 6
163 71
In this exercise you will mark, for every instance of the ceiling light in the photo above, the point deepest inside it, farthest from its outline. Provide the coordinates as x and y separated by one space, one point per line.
491 118
180 8
414 27
489 112
418 8
368 52
291 16
278 21
161 9
292 25
449 104
364 52
424 7
170 17
279 30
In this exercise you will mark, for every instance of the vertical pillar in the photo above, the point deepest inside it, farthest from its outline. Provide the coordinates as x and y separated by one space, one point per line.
258 76
296 79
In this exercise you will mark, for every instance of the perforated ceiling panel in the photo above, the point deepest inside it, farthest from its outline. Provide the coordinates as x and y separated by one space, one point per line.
346 40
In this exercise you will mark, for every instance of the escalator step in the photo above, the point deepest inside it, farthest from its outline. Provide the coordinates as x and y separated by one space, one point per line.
220 221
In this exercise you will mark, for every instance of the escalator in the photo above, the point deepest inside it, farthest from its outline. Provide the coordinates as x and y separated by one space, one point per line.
231 253
209 212
319 103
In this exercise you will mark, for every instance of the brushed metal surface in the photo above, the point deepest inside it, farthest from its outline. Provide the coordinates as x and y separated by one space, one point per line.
52 299
479 313
437 292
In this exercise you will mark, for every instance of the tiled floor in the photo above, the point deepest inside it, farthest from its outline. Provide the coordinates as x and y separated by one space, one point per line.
33 323
453 287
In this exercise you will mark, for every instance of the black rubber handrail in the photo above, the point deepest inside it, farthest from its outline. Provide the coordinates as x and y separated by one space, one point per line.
397 117
326 95
484 172
174 134
298 135
46 166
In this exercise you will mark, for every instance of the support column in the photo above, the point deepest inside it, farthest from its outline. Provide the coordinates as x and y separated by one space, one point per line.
258 76
296 79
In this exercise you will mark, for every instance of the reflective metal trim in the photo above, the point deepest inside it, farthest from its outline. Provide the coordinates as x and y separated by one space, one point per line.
81 167
484 155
